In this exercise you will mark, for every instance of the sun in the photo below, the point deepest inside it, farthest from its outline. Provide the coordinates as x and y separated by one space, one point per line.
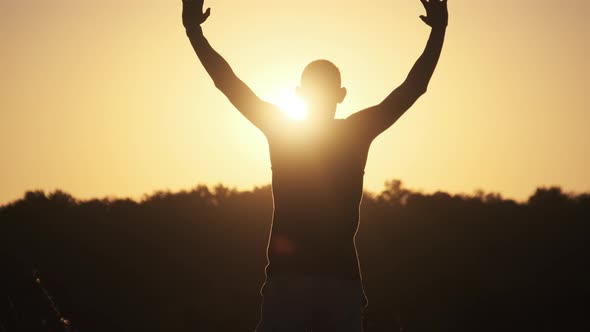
292 105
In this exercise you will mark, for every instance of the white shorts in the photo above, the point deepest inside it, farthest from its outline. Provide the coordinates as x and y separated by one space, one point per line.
304 304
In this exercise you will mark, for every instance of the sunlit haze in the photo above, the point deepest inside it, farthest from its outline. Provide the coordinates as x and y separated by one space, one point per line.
292 105
107 98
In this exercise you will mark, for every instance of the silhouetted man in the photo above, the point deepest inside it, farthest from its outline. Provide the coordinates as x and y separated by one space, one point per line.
313 278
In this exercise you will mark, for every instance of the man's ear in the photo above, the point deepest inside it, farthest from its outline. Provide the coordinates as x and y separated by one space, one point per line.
342 95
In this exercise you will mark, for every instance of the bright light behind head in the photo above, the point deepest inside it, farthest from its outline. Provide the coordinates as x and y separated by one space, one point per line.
289 103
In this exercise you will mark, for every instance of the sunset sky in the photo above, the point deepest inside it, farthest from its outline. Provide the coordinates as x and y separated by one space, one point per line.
107 98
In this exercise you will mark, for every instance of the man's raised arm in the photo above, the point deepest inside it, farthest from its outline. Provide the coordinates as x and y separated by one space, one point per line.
374 120
239 94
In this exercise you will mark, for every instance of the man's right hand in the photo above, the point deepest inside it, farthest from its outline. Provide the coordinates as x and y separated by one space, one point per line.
437 15
192 13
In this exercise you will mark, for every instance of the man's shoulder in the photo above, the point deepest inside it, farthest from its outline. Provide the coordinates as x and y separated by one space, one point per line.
347 126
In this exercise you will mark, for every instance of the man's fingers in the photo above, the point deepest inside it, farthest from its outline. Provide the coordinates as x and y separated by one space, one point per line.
206 14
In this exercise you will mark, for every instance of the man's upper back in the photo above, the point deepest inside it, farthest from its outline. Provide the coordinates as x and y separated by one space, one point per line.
317 180
327 162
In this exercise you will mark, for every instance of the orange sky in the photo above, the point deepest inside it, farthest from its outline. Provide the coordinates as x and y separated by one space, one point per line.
107 97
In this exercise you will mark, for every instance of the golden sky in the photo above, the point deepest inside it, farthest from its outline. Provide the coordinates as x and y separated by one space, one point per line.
107 97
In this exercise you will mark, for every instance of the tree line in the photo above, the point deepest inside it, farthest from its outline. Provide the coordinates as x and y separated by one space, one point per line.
194 261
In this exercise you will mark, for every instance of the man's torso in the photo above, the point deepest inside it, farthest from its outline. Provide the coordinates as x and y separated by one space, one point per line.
317 181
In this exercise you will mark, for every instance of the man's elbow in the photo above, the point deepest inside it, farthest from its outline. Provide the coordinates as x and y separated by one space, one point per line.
418 92
423 89
221 85
416 88
420 88
225 83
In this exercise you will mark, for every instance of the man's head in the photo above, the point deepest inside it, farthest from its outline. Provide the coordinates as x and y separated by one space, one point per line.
321 89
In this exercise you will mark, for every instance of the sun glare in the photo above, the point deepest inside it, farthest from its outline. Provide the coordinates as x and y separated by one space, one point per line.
289 103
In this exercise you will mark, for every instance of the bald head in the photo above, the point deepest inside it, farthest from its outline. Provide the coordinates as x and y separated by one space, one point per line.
321 71
321 88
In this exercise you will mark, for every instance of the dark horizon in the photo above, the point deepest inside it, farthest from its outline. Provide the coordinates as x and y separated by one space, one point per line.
475 193
431 262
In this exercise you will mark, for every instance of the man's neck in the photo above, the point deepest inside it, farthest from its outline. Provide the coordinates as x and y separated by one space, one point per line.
321 119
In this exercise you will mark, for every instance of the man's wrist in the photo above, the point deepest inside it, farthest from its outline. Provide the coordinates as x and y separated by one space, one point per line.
439 28
194 30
